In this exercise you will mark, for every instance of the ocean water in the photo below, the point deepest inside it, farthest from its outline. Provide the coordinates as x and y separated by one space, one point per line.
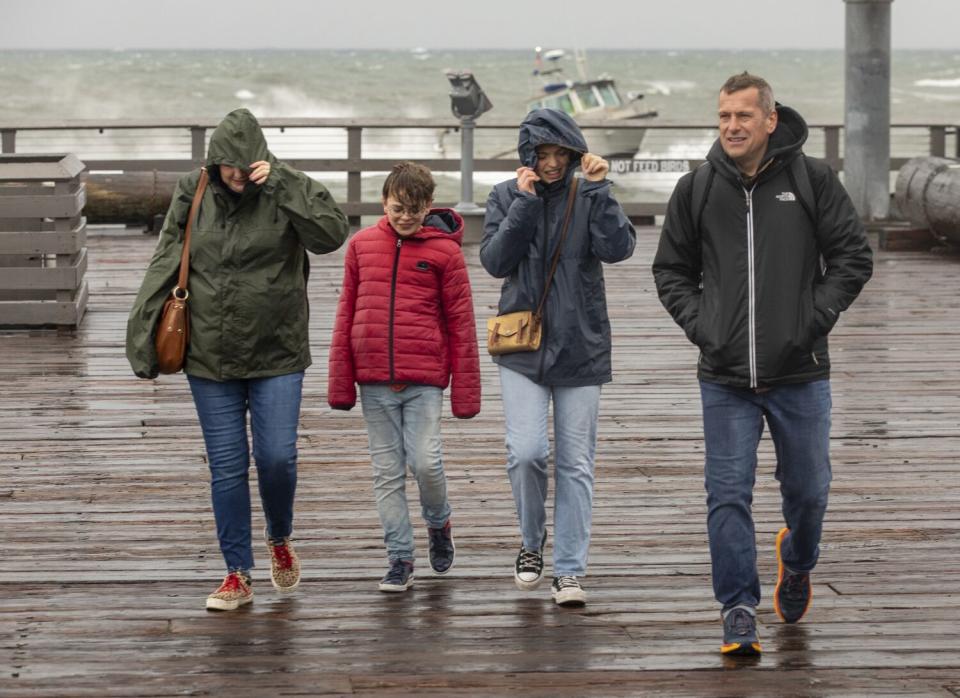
680 85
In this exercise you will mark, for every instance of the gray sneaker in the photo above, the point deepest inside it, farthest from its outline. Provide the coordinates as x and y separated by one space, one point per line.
792 595
740 632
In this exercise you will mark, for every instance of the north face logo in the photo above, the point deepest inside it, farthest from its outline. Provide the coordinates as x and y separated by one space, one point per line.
786 196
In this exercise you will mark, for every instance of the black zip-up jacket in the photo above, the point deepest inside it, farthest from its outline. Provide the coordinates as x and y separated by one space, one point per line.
749 288
520 234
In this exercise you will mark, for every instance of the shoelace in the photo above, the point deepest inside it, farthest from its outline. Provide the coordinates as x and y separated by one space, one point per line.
396 573
438 536
741 622
282 554
530 559
232 582
567 583
794 586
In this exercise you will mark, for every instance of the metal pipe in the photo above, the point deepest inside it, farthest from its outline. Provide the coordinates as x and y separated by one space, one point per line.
466 166
867 112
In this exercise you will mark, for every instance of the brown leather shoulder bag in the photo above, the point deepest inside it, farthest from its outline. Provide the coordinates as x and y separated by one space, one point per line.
173 330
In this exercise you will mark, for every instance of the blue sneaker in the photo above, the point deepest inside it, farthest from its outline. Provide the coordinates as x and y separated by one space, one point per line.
442 550
399 577
740 632
793 593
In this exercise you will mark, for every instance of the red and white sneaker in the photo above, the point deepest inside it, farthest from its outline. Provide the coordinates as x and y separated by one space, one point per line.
233 593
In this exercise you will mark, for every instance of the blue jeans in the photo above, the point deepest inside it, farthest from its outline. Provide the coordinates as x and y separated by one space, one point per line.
526 406
799 419
403 427
274 406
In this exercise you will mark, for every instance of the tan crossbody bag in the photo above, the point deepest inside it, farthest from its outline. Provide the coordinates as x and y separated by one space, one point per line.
522 329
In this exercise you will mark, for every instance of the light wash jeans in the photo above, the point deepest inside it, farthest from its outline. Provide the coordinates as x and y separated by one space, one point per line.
404 429
799 419
274 406
526 406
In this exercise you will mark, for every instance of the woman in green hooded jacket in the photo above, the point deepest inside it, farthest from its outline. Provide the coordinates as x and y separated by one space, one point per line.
249 342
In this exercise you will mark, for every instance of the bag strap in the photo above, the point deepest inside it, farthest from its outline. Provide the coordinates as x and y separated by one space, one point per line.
702 182
563 235
185 255
799 177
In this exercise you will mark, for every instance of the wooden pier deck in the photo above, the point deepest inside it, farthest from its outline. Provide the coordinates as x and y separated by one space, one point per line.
107 543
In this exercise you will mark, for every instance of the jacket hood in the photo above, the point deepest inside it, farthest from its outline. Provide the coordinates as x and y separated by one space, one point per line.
786 141
439 222
238 141
550 127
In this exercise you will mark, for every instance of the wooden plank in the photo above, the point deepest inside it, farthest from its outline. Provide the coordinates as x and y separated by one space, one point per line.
39 167
49 206
35 242
45 312
109 544
42 278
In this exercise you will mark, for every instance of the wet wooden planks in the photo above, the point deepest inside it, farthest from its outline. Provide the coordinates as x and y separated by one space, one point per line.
109 549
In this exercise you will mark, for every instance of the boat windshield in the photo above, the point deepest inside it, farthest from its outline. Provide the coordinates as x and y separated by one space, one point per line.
609 95
588 98
561 102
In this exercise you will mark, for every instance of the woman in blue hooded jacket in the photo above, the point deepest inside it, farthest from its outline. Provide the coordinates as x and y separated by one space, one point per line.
522 229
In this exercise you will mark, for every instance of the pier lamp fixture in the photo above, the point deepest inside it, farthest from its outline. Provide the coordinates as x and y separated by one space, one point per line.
467 102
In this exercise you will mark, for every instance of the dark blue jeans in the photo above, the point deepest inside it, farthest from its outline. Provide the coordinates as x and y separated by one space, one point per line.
798 416
274 406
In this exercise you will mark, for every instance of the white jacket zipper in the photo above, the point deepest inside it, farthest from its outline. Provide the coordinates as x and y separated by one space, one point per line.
751 291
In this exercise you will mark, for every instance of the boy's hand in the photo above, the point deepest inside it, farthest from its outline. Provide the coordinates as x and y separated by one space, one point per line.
594 167
259 171
525 179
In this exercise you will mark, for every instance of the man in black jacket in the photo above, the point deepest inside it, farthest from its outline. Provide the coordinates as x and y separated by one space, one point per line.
761 250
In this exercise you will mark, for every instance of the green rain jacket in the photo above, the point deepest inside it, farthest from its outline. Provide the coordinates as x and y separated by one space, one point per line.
248 264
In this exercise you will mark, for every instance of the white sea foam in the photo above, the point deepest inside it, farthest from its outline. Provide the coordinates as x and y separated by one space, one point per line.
938 82
666 87
284 101
244 94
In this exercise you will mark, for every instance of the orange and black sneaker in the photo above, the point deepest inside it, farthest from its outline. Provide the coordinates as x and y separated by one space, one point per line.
234 592
284 565
793 593
740 632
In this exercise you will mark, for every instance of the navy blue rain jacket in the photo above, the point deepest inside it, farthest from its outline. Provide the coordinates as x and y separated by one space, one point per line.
520 235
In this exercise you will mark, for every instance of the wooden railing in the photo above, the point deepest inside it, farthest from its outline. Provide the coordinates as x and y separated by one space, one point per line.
663 140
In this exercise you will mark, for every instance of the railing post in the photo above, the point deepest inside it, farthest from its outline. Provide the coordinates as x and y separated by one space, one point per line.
938 141
8 140
956 141
831 135
198 144
354 152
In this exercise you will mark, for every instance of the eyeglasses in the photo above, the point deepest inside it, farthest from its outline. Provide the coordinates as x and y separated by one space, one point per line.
404 210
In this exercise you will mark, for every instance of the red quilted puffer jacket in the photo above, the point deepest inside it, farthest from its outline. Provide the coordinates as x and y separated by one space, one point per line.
406 314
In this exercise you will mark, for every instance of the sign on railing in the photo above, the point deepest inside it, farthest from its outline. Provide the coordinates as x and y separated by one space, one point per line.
636 166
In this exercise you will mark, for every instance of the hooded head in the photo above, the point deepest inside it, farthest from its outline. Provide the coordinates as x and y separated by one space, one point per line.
546 127
237 143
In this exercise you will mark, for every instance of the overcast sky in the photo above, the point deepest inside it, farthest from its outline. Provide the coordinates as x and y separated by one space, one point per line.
405 24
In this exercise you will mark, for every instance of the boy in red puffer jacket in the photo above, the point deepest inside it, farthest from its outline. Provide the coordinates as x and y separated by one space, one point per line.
404 326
